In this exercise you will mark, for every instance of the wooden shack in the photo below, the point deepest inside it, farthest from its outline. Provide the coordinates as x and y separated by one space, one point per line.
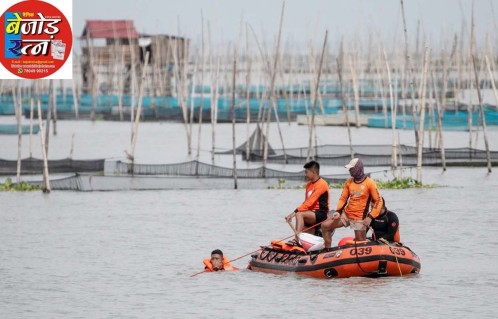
113 54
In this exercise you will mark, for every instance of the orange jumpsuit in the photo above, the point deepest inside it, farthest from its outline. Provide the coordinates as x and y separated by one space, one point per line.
317 197
356 198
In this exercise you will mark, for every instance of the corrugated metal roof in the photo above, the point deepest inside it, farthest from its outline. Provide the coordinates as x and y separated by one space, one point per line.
110 29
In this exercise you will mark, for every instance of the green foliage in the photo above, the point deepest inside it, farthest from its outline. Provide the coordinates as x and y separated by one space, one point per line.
396 183
22 186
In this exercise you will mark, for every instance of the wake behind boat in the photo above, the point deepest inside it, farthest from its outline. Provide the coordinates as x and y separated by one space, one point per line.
352 259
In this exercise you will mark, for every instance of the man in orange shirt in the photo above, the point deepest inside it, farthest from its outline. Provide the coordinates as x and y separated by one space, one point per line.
316 203
354 204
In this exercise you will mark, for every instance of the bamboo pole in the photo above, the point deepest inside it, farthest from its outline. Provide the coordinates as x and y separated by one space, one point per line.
16 99
46 179
75 99
203 61
54 108
134 135
409 71
394 157
355 92
248 88
340 61
272 95
311 149
422 116
49 117
31 128
481 107
491 77
234 146
439 123
71 152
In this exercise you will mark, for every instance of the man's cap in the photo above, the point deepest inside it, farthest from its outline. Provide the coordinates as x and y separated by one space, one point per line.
352 163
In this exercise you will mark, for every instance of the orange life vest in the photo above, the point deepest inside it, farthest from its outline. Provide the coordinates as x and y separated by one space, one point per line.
226 265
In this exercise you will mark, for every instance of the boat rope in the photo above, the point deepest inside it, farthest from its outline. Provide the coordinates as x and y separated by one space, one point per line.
262 247
382 240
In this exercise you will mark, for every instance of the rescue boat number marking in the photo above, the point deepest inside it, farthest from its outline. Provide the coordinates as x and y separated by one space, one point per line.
397 251
361 251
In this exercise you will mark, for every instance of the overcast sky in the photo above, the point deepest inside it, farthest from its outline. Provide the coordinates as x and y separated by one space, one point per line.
303 20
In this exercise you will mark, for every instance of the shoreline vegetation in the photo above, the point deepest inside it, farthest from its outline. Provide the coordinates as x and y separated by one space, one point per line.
395 183
9 186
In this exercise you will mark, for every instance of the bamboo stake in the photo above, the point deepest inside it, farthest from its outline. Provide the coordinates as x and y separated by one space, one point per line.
46 179
54 108
75 99
31 129
439 124
234 146
422 116
248 87
356 94
481 107
493 85
409 77
49 117
131 155
394 157
272 95
340 61
72 147
202 97
17 108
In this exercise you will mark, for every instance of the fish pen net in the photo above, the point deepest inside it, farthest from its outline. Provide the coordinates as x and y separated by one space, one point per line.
376 155
35 166
100 182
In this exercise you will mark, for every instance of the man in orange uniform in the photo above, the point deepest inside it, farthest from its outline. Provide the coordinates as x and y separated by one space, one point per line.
316 205
353 207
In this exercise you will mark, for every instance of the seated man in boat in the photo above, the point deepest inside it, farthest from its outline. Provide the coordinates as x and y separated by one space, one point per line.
386 225
353 206
217 262
316 203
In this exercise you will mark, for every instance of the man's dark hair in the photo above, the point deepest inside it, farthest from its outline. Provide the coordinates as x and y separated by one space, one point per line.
312 165
217 252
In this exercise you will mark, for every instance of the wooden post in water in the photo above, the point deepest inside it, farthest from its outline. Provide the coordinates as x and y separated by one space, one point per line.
420 144
46 180
75 99
311 149
72 147
54 108
481 107
394 157
355 91
49 116
340 61
272 95
248 93
16 98
234 146
139 111
440 111
203 62
491 77
31 129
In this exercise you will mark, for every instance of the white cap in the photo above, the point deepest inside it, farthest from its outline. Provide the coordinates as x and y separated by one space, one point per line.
352 163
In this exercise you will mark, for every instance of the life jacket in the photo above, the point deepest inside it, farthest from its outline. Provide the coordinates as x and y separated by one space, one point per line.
226 265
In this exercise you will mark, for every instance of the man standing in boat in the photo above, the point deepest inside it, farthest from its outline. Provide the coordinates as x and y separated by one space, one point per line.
316 203
353 207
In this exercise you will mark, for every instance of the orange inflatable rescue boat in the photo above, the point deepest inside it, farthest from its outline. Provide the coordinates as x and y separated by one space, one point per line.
349 259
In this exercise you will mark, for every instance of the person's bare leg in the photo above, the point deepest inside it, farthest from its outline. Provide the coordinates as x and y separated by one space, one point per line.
328 229
307 217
